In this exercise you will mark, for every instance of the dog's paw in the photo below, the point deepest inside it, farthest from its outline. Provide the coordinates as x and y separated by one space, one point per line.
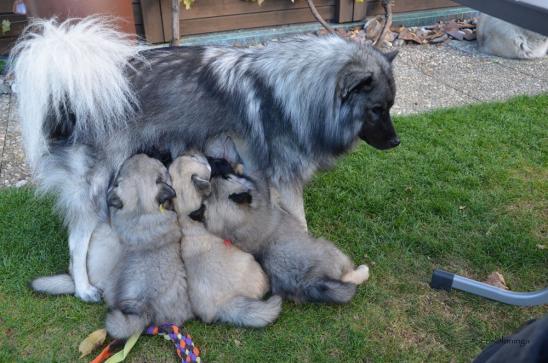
358 276
89 294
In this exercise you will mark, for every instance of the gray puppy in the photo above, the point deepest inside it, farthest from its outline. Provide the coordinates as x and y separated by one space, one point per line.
138 264
224 283
300 267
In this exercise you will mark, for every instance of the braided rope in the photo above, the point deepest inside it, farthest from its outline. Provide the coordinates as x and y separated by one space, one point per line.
186 350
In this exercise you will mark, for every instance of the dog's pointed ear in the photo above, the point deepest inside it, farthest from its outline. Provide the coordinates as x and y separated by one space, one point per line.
202 185
353 80
113 200
241 198
165 194
390 56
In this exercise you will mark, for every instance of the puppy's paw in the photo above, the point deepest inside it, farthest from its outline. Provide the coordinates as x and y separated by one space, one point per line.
358 276
89 294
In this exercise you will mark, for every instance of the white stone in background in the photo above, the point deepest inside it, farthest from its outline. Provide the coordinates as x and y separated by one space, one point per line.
21 183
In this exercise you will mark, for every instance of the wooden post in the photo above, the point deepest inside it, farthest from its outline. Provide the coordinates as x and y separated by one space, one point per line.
175 4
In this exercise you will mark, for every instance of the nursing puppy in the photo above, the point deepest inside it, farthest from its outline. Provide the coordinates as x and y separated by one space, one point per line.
224 283
88 99
300 267
137 263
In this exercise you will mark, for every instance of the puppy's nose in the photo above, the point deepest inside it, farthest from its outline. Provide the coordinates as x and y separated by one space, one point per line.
394 142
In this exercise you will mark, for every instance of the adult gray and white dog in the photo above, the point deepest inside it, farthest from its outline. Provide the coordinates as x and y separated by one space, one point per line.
89 99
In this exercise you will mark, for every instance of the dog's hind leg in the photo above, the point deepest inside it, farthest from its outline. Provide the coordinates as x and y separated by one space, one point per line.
79 238
65 171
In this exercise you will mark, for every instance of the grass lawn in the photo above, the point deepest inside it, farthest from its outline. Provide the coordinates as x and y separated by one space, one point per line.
465 191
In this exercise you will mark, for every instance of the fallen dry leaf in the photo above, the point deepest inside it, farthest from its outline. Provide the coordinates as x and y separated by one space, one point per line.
408 35
442 38
457 34
450 26
397 29
92 341
496 279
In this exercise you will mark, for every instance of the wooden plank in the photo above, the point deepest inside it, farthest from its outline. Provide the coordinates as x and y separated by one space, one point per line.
214 8
152 21
6 44
137 14
372 8
272 18
6 6
345 10
165 10
140 31
18 23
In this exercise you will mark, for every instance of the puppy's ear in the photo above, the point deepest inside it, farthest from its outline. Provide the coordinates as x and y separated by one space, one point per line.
354 80
202 185
198 214
390 56
241 198
113 200
165 194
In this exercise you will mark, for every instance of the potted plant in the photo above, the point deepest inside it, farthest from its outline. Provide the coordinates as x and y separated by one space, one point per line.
122 10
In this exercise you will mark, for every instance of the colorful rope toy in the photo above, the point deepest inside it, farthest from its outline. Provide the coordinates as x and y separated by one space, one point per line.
186 350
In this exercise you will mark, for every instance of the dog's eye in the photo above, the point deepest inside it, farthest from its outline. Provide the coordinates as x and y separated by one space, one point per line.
378 110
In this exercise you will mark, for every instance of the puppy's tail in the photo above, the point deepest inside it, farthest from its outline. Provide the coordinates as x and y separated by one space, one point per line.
54 285
71 81
244 311
328 290
122 326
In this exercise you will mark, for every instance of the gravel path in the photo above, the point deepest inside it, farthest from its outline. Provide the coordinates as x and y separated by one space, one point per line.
427 77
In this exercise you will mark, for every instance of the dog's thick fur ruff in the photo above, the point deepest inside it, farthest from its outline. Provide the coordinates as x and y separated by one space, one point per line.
88 100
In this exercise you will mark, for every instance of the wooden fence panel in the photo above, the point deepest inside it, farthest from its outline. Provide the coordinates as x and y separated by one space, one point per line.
152 21
207 16
17 24
371 8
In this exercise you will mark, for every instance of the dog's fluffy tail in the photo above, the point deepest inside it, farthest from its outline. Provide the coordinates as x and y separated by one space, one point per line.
70 79
244 311
54 285
328 290
122 326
